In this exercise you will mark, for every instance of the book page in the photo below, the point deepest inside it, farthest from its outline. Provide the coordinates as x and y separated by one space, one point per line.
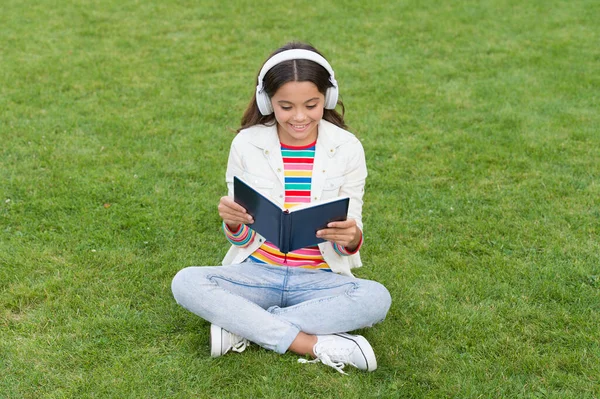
316 203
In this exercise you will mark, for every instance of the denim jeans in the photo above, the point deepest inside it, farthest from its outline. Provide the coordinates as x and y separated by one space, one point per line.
270 305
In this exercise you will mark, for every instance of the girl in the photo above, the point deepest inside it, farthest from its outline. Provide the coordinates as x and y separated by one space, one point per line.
293 147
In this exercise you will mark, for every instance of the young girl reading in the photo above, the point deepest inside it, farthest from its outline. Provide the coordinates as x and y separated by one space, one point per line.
293 147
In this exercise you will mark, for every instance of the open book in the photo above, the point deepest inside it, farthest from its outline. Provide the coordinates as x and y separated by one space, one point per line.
288 229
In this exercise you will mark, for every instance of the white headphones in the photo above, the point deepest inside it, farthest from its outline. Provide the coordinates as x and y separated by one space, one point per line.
262 99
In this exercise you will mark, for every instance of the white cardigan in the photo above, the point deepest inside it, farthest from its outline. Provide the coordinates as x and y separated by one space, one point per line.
339 170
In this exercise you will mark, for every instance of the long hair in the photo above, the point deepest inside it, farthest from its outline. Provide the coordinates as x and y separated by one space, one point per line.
292 71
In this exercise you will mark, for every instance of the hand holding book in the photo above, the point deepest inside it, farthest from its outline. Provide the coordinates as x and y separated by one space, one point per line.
232 213
345 233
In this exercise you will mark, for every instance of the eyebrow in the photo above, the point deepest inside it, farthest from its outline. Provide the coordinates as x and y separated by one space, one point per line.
307 101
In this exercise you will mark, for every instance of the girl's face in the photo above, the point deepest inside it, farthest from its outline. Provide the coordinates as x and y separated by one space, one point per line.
298 108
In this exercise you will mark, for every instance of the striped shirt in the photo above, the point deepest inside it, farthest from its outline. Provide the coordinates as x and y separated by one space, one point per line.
298 166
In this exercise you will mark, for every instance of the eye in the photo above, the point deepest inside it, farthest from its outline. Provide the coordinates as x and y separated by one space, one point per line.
286 108
311 106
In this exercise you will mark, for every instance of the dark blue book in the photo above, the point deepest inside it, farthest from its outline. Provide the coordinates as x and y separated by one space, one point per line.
288 229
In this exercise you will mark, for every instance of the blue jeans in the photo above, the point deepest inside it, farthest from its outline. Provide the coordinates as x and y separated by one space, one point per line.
270 305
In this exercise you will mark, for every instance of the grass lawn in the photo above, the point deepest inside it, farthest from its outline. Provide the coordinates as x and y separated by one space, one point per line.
481 126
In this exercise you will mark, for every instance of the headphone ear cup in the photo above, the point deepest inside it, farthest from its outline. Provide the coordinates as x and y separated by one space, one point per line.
264 103
331 97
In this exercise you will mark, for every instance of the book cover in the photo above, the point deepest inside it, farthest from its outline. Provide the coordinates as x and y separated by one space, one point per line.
288 229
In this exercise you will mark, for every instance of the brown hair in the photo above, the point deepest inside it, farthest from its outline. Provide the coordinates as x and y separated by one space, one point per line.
292 71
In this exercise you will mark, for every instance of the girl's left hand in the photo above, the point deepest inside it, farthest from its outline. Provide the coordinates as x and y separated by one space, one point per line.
346 233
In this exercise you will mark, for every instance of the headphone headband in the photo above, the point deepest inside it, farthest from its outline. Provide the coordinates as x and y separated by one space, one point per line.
262 99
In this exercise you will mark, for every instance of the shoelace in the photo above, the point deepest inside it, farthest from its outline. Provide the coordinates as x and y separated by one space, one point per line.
342 355
326 360
240 346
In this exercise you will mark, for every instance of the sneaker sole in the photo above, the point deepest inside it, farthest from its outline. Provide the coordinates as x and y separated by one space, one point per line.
365 348
216 341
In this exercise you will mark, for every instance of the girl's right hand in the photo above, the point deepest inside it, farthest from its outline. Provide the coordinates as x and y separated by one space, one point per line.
232 213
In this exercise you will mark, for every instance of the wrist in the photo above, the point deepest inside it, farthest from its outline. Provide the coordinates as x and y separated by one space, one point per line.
352 247
355 244
233 228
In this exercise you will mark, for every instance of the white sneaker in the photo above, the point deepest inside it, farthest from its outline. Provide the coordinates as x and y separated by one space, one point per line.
338 350
222 341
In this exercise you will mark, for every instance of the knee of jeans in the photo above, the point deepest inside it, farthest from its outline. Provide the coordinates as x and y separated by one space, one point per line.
177 284
181 283
377 301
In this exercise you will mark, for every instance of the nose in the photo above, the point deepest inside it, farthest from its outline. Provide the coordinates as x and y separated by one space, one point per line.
299 115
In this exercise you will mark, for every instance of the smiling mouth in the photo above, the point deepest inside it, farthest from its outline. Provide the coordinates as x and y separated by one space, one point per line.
299 127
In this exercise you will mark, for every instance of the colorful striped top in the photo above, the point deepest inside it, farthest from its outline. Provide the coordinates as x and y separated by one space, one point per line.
298 166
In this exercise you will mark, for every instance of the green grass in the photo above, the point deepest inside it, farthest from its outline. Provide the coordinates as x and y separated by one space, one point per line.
482 133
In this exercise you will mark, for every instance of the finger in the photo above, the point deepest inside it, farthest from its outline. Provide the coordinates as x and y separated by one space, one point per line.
228 202
238 218
342 242
325 233
335 237
343 224
225 210
336 231
233 214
